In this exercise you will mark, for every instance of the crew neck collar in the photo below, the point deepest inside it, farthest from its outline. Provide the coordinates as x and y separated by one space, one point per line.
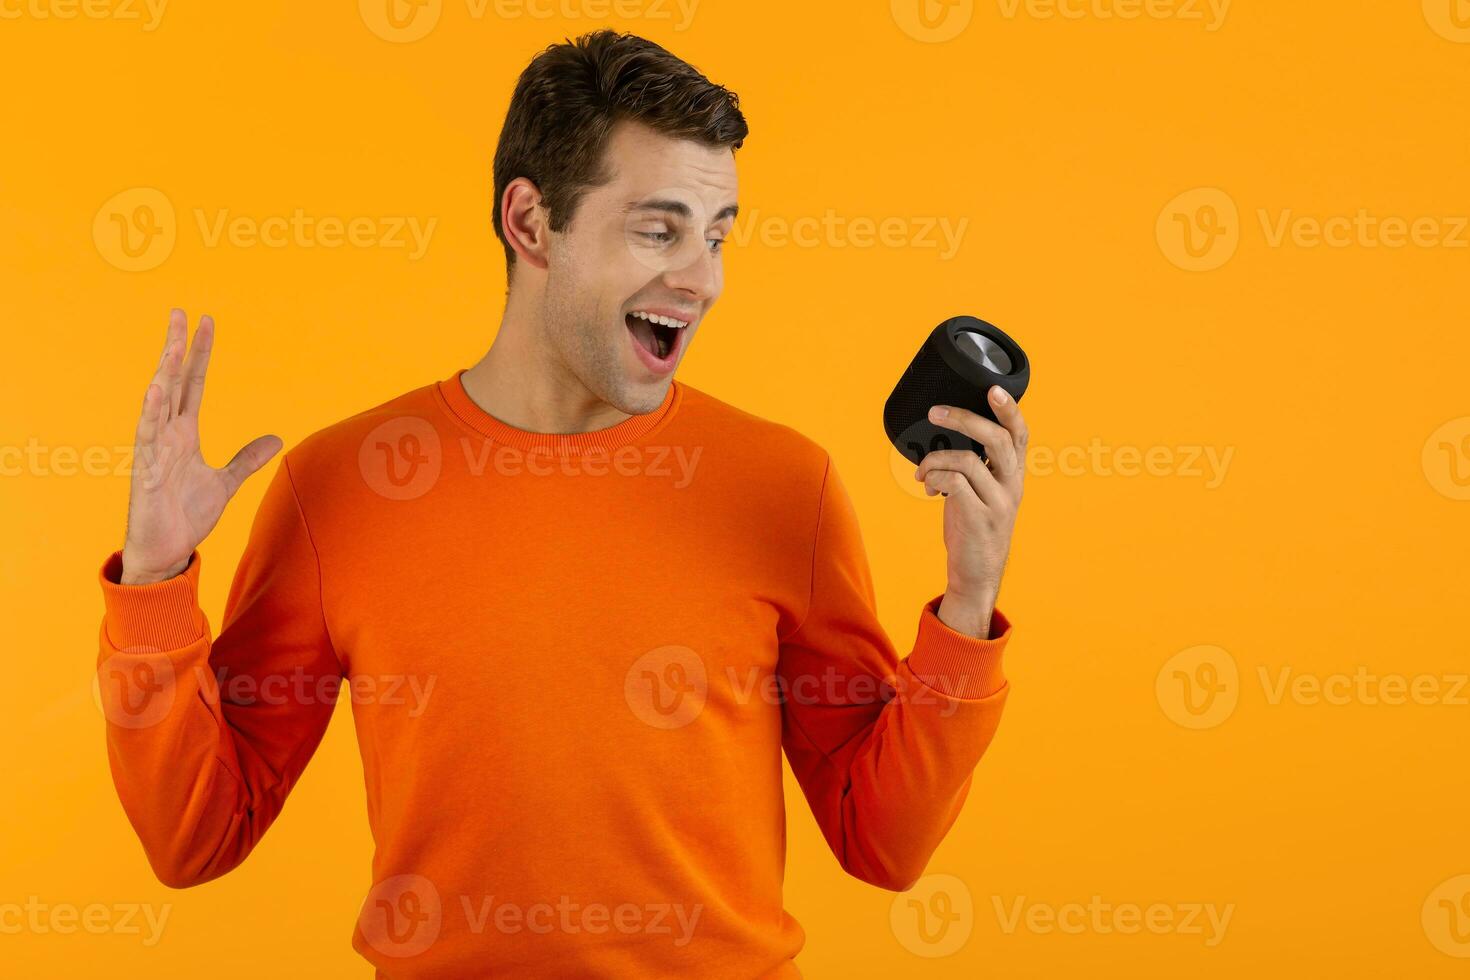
459 404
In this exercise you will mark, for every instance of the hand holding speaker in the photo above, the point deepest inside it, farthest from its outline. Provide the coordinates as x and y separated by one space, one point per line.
983 373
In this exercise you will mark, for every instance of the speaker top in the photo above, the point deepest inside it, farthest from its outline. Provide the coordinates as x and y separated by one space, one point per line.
981 352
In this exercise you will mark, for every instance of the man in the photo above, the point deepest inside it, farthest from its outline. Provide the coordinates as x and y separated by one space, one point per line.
581 607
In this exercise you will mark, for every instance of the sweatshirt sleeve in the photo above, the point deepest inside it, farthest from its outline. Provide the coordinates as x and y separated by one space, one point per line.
883 749
206 736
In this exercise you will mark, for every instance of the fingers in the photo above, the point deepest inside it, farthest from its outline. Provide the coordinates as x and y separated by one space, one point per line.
173 377
181 378
178 328
1009 414
170 360
146 439
1004 441
147 433
995 439
964 464
252 457
192 392
950 483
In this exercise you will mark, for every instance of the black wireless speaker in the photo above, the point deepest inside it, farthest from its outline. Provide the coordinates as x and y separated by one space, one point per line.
957 365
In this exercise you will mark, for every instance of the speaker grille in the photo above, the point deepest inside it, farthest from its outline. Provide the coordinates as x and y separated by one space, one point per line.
929 380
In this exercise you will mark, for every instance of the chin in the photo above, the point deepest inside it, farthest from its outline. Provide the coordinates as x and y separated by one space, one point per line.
640 399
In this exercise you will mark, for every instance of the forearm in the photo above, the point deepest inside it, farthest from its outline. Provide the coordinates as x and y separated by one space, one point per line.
907 785
188 810
198 790
165 748
897 769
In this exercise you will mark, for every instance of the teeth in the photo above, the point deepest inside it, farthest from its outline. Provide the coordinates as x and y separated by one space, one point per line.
663 321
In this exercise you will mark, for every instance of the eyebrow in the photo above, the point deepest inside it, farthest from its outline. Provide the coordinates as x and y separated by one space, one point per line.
681 209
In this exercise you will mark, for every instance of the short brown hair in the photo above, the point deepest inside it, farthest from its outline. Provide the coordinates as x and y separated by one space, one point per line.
572 94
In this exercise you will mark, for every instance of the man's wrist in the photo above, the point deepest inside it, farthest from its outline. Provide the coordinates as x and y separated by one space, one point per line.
968 614
141 579
134 576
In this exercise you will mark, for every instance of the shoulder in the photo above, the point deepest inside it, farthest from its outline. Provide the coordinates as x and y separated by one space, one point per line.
333 455
761 445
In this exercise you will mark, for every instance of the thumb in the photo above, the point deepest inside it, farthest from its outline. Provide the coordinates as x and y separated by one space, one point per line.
252 457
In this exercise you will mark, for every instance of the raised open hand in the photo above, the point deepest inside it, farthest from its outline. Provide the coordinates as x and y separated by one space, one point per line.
176 497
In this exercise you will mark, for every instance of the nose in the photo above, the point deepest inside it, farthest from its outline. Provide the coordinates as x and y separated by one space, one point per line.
698 278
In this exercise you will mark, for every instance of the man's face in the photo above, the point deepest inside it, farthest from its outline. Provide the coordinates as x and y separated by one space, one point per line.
640 249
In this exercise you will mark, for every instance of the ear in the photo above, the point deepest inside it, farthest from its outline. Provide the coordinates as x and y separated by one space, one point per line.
524 221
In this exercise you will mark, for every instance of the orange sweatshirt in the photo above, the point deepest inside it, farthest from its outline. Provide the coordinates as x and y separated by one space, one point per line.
573 663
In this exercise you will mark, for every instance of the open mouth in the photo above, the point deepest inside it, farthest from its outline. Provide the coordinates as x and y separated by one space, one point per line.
657 334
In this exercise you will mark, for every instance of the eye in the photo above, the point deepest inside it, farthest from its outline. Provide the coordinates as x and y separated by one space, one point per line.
715 245
659 237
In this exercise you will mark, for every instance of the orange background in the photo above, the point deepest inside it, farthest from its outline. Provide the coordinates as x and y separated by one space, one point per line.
1332 375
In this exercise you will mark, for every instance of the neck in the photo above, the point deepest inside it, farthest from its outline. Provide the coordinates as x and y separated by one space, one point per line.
523 383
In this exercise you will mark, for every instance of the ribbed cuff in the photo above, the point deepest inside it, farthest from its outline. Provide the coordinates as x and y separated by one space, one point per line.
155 617
955 664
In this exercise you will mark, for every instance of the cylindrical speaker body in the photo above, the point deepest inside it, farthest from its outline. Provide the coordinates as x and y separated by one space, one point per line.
963 357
